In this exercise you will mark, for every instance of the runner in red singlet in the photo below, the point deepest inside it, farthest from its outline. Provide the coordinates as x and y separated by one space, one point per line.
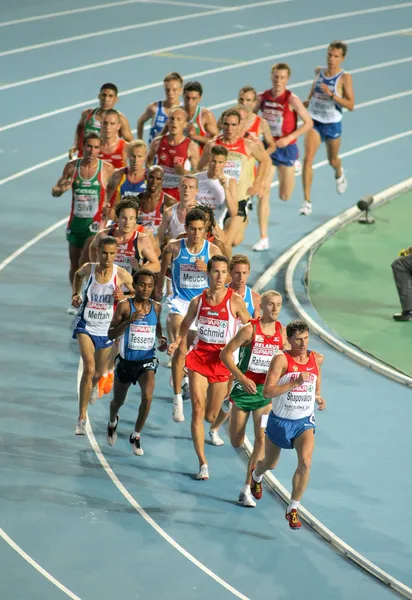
114 149
154 202
216 310
175 152
254 124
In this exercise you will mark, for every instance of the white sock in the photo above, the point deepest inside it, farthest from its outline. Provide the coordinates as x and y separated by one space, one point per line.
246 489
178 397
341 174
185 380
111 371
113 424
257 478
105 374
293 505
135 434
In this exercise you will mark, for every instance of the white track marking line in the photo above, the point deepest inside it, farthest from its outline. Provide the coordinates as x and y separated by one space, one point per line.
73 11
205 41
210 72
143 25
36 565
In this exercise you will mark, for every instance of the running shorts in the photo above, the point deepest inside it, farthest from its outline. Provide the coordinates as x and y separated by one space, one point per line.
248 402
99 341
178 306
79 231
283 432
285 157
207 364
328 131
129 371
242 210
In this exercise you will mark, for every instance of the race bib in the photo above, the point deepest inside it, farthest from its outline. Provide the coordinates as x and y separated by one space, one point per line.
261 357
85 206
142 337
212 331
275 121
98 314
191 278
170 178
233 169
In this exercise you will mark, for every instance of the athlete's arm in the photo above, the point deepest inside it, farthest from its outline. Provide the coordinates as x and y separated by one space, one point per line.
193 156
258 152
243 337
126 279
148 114
79 276
210 124
169 201
312 89
78 134
256 304
296 104
220 241
152 151
64 182
164 224
122 318
111 188
107 171
230 187
204 159
267 137
348 99
318 398
125 131
285 343
185 324
159 332
167 257
239 309
278 367
146 249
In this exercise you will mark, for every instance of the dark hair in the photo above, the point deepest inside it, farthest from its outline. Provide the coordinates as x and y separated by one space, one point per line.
130 202
145 273
194 214
92 136
296 327
220 151
112 111
193 86
338 45
231 112
216 258
110 86
108 240
208 210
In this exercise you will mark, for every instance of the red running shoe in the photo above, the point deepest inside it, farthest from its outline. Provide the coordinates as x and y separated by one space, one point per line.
293 518
256 488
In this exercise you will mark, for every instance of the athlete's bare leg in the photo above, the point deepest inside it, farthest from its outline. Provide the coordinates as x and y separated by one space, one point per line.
304 445
237 426
286 176
312 143
94 364
215 395
84 256
178 362
270 460
198 389
74 257
234 230
332 150
119 396
146 383
263 207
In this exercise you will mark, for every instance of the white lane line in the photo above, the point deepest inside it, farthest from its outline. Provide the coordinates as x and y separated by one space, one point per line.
215 70
73 11
140 25
209 40
36 565
34 168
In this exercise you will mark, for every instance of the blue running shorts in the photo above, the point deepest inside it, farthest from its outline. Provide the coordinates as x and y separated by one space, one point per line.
282 432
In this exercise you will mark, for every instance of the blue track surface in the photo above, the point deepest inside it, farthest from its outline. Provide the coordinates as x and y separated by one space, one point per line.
57 502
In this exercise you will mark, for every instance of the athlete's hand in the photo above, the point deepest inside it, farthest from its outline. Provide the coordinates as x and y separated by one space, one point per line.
73 150
223 181
283 142
134 262
138 314
162 344
303 377
106 210
248 385
119 294
326 90
179 169
190 130
76 300
172 348
201 265
253 190
306 103
320 402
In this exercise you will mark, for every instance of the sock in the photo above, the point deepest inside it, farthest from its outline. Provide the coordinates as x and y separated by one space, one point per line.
185 380
264 238
257 478
111 371
246 489
112 424
105 374
135 434
293 505
178 397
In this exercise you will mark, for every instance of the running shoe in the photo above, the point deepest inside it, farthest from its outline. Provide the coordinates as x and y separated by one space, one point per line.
72 310
203 474
94 394
112 432
306 208
341 183
80 427
245 499
169 364
293 518
108 383
186 391
215 437
136 447
262 244
178 415
101 383
227 405
256 488
298 167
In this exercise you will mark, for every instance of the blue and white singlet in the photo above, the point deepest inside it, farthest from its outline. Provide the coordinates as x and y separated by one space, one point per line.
321 106
159 121
187 281
139 340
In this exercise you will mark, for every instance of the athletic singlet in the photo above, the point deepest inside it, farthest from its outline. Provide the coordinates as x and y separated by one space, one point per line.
198 124
216 325
239 165
97 308
152 219
211 193
126 188
255 127
282 121
139 338
87 194
299 402
255 358
127 250
158 122
187 281
116 157
168 157
90 125
248 299
175 226
321 106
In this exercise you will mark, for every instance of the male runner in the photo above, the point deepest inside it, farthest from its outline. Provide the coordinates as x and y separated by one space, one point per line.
243 154
175 152
293 383
158 112
137 323
216 311
91 119
201 121
213 233
331 92
247 98
114 149
88 177
174 217
102 290
188 260
130 180
281 109
258 342
153 202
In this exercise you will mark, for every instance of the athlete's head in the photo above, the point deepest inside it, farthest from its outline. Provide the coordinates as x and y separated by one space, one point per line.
210 221
230 123
218 160
244 115
192 94
195 223
218 270
126 212
297 333
271 304
336 54
143 283
177 120
154 178
188 189
247 97
91 145
239 270
111 123
106 250
108 96
136 154
173 83
280 74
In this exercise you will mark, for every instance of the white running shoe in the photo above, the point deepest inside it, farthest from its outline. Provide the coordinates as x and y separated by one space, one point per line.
262 244
227 405
246 498
203 474
72 310
215 437
306 208
298 167
169 364
112 432
80 427
136 447
186 391
94 395
341 183
178 415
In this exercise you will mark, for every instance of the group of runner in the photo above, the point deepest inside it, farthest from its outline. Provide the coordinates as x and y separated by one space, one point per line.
160 220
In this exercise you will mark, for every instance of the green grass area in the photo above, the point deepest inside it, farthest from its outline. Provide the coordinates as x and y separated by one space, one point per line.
352 288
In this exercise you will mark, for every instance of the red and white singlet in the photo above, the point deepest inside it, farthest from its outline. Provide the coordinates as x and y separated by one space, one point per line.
299 402
282 121
169 157
116 157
